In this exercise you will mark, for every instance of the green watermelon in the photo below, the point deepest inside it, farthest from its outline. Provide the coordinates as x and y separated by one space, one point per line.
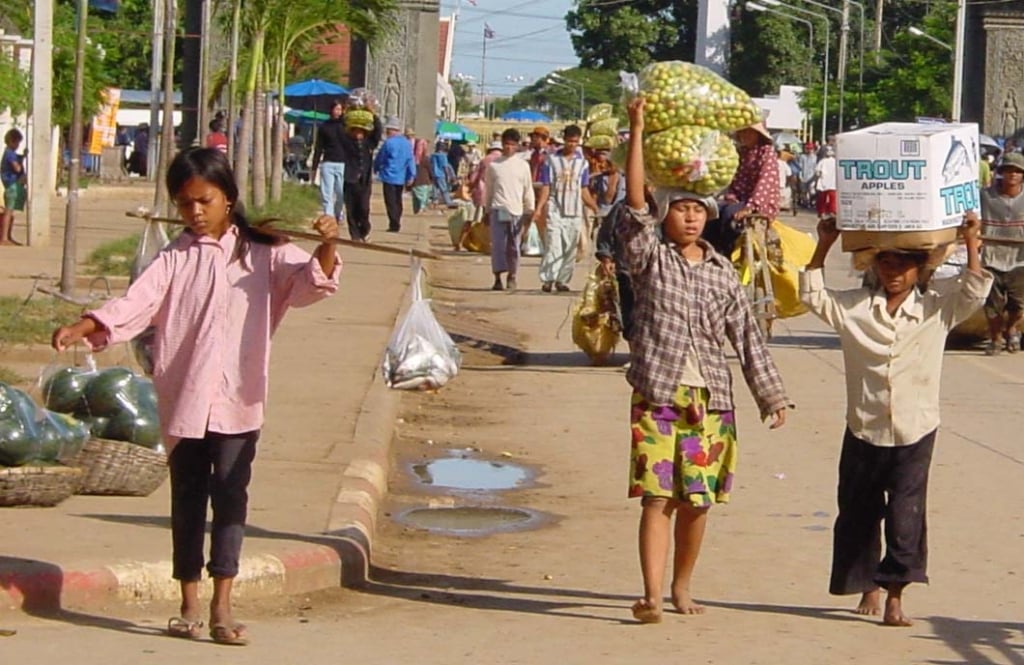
111 392
64 390
17 447
142 429
97 426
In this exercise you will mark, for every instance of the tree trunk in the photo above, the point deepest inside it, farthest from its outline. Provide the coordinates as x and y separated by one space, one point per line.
243 151
277 142
259 148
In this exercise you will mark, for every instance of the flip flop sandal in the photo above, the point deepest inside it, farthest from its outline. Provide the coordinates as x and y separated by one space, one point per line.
229 635
183 628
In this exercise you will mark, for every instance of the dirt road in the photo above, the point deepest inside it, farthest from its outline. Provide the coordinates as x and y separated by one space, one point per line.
560 593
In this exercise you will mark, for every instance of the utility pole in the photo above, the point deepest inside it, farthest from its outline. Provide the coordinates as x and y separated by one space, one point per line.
68 262
40 149
844 40
878 31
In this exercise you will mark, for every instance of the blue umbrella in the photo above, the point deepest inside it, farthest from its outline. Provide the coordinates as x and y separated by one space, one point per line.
526 116
313 95
453 131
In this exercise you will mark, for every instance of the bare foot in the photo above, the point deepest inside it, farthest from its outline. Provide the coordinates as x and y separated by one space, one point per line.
646 611
684 603
870 603
894 615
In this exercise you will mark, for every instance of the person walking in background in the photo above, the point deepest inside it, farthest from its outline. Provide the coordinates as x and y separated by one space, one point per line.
423 184
217 288
443 174
139 160
806 163
564 178
329 157
893 338
509 199
217 138
682 419
478 180
396 168
540 140
825 184
12 176
1002 225
362 135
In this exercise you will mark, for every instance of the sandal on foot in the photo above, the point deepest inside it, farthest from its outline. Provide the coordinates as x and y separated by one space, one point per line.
182 627
230 635
991 348
644 612
1013 343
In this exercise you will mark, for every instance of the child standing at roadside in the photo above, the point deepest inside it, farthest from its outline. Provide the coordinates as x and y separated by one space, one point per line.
215 296
893 339
683 453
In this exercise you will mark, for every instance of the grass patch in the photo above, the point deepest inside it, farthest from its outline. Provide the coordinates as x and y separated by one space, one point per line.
34 322
113 258
10 377
298 206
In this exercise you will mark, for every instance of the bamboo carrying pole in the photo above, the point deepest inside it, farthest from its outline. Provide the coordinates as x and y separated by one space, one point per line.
265 227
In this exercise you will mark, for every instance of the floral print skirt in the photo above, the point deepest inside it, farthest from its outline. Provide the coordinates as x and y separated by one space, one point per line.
682 450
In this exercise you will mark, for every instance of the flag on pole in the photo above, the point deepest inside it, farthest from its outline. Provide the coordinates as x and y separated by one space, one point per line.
488 32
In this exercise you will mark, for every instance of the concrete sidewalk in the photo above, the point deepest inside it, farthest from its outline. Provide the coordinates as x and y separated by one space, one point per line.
321 467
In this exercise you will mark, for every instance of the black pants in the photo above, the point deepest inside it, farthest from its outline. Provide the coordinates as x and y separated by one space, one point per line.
393 204
357 209
877 483
723 232
214 469
626 303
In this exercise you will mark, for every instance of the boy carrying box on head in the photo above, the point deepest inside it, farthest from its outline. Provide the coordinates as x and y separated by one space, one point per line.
893 339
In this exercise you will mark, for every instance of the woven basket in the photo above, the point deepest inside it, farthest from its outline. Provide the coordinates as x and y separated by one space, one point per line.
119 468
37 485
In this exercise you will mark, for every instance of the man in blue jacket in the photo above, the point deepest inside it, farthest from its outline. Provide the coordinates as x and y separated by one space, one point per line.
396 168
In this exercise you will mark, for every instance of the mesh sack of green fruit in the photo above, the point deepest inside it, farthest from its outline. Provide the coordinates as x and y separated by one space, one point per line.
31 435
682 93
600 112
601 142
696 159
619 154
606 127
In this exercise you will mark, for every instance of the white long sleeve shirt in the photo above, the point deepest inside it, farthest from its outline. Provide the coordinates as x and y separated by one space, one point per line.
510 185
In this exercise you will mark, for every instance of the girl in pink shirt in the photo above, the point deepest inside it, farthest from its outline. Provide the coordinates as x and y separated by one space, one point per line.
215 296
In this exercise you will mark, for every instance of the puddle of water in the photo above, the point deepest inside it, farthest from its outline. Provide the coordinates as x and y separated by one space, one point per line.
816 527
470 474
820 513
470 519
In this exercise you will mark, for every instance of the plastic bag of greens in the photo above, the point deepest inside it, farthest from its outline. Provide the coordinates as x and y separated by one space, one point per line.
420 354
606 127
682 93
601 142
697 159
600 112
62 388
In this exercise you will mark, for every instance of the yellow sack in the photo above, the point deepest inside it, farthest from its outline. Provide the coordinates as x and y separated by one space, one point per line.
788 251
479 237
596 326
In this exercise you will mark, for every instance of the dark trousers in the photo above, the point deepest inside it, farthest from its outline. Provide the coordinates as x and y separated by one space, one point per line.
215 469
357 209
723 232
626 302
393 204
881 483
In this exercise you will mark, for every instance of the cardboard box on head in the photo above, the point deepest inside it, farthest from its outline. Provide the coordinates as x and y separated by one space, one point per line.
914 181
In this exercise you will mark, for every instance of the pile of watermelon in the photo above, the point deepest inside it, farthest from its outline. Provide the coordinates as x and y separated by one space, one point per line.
115 403
31 435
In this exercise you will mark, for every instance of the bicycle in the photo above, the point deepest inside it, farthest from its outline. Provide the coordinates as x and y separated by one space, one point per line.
755 272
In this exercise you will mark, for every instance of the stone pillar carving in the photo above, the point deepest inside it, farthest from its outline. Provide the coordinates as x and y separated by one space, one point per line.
402 70
1003 113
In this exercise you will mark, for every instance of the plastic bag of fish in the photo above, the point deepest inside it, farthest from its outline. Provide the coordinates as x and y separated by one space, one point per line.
420 355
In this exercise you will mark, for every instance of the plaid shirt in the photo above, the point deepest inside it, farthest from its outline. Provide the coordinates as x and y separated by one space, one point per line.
677 302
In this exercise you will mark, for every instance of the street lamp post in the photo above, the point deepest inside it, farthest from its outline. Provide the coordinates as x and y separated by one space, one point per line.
921 33
958 59
558 79
828 39
810 42
957 66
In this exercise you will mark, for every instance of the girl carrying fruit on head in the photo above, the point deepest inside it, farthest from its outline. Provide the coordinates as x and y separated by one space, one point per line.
683 452
215 296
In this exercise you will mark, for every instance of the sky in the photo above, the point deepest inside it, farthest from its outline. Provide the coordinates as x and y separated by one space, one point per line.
530 40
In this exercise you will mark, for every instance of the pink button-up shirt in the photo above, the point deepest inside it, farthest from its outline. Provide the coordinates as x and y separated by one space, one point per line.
214 318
